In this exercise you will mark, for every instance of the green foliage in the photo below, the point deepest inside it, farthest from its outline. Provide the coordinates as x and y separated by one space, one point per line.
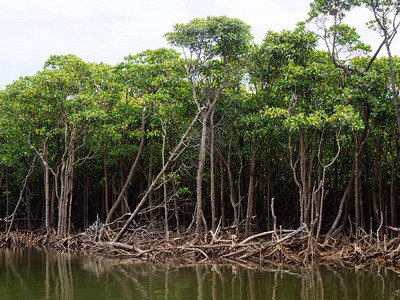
336 8
348 38
212 37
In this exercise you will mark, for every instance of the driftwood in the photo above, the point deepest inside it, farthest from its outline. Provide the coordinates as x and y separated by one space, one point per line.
258 235
286 237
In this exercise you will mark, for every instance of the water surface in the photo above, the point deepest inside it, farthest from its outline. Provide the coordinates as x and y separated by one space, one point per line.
37 274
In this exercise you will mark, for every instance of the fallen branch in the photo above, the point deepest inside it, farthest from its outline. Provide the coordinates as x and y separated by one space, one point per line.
259 235
286 237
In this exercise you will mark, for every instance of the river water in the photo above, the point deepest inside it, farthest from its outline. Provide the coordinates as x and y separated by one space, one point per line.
37 274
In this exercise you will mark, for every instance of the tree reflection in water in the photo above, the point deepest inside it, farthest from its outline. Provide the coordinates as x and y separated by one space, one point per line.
33 274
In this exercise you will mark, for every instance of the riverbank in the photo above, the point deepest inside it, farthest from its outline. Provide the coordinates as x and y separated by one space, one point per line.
284 246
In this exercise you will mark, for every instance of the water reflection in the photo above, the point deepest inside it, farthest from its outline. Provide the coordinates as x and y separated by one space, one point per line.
33 274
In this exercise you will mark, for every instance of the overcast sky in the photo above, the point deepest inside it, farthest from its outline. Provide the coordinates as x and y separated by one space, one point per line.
108 30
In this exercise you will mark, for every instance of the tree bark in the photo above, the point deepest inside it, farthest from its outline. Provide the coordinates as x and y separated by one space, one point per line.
46 185
199 177
28 209
150 175
393 202
165 184
250 200
222 197
356 191
212 179
232 194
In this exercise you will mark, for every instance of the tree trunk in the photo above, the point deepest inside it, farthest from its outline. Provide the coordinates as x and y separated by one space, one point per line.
199 177
175 153
131 172
232 194
7 199
342 204
212 179
375 193
28 209
52 204
66 183
393 202
150 175
46 185
250 201
222 198
106 193
176 210
165 184
356 192
86 202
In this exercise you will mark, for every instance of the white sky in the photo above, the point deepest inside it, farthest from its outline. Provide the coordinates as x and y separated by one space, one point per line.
108 30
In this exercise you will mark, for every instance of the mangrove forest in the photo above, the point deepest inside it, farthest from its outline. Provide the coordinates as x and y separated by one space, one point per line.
217 147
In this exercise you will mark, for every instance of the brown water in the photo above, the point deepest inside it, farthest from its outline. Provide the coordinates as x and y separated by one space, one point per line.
33 274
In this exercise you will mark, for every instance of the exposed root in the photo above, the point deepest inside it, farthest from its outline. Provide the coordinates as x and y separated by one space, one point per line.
289 246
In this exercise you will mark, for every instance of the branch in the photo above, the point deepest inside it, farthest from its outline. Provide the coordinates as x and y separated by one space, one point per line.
24 183
156 180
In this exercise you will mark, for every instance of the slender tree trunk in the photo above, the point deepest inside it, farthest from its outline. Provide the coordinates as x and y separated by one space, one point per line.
86 202
131 172
21 195
375 185
199 177
62 203
70 196
176 210
124 202
175 153
1 180
250 201
232 194
28 209
356 193
165 185
106 193
222 198
46 185
7 199
212 179
340 212
66 183
393 202
150 175
304 193
46 182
